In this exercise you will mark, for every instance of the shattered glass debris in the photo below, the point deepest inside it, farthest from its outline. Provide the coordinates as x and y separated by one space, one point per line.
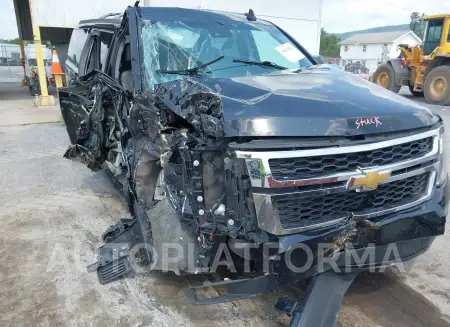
180 45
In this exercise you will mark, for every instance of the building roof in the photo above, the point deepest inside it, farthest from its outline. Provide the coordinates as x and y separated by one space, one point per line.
384 37
436 16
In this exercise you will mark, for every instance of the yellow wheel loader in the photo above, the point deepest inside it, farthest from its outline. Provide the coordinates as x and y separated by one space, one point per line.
424 68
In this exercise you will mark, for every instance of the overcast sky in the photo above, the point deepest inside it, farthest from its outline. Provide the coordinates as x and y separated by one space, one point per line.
338 15
349 15
8 26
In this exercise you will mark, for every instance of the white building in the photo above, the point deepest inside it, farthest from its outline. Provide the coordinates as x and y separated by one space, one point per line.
374 48
301 19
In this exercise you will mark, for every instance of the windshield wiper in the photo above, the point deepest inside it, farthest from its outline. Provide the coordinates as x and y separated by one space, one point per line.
260 63
192 70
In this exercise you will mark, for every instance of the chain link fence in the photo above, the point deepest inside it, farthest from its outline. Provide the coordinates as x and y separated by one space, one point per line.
362 67
12 64
11 68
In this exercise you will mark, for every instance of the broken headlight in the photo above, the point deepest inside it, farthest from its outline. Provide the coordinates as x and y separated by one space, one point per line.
442 171
256 170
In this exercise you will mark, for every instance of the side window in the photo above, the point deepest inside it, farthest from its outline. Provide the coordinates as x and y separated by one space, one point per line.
96 51
435 34
434 31
77 41
91 58
118 58
104 40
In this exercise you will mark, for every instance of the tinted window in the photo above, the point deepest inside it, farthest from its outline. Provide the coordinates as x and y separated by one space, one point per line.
434 33
77 41
91 59
433 36
434 30
105 42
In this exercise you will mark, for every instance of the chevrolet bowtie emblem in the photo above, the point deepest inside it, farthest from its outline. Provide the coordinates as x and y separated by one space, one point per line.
368 180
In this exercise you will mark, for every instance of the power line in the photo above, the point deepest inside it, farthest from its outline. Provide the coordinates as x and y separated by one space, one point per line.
402 8
387 1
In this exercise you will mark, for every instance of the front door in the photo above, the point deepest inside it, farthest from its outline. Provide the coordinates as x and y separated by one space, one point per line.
83 114
81 108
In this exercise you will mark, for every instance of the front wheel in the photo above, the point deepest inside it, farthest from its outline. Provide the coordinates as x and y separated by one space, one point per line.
437 86
384 76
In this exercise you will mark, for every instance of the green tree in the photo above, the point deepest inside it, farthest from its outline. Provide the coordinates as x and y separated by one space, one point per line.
415 17
329 44
416 24
12 41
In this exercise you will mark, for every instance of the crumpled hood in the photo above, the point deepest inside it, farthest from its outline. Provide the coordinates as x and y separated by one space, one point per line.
313 102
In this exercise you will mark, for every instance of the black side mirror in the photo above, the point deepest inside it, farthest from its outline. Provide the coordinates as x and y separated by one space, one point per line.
319 59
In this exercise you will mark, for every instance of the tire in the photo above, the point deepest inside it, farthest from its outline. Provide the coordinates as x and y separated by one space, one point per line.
415 93
437 86
384 76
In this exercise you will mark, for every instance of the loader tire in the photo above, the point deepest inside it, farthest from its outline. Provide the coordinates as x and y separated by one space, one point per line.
415 93
437 86
384 76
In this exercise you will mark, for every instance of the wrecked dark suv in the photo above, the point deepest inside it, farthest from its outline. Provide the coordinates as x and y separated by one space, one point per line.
225 136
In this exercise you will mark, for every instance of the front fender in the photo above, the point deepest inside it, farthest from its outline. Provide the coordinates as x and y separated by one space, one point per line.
402 74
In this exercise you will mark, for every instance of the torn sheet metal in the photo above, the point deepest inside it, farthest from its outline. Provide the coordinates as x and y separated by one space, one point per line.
280 105
84 112
273 103
200 106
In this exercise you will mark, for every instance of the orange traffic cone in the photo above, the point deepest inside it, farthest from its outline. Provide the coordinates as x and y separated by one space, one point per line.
57 69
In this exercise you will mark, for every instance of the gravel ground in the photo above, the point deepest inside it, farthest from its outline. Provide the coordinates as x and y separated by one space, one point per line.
53 212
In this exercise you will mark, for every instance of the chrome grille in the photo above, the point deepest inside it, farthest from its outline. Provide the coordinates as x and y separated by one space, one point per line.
304 209
310 167
304 199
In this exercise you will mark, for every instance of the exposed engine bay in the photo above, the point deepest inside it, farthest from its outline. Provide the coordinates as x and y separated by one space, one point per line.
160 154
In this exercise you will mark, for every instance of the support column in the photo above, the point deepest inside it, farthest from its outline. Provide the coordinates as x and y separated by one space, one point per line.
44 99
22 55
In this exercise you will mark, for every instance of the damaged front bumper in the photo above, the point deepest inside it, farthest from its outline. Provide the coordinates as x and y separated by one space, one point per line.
392 239
396 238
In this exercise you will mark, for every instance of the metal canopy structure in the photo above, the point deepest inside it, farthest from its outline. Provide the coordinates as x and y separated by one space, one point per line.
30 31
41 21
23 18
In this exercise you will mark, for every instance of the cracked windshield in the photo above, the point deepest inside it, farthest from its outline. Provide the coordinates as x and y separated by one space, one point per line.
215 49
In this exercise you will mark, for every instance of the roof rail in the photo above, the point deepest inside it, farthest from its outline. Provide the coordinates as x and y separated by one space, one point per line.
112 15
